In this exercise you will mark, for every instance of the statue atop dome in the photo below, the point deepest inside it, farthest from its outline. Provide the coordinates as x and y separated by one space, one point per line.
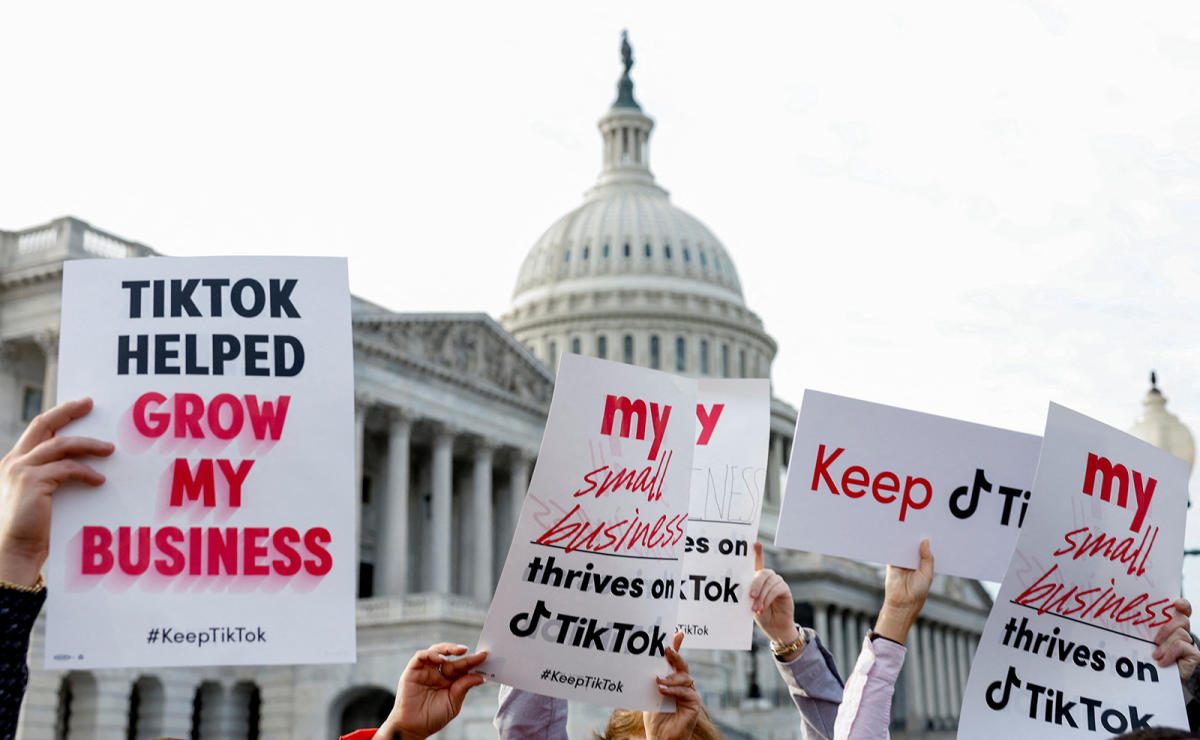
625 85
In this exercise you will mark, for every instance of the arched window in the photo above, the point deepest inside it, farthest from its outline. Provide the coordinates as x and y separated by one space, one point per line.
576 346
247 697
602 347
62 721
628 349
367 707
680 354
655 354
724 360
704 357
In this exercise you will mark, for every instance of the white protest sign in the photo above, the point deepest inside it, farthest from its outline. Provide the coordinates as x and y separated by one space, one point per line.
588 598
224 533
1066 649
729 471
869 482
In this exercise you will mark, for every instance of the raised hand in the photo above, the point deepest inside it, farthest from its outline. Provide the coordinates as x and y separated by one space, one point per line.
771 602
1174 641
431 691
678 684
904 592
32 471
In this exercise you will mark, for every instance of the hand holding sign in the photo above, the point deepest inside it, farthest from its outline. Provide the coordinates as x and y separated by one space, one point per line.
29 474
431 691
679 685
904 592
1174 640
771 602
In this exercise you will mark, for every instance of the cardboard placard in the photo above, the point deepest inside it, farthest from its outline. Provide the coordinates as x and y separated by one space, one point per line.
729 473
224 533
869 482
1066 649
588 598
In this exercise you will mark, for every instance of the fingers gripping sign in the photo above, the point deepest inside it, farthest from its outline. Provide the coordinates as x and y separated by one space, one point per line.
680 686
30 473
432 690
771 603
1174 641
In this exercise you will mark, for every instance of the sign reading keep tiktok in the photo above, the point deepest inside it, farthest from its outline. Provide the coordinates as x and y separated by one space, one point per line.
224 533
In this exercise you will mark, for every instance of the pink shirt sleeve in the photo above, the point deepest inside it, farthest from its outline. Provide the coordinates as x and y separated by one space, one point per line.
866 710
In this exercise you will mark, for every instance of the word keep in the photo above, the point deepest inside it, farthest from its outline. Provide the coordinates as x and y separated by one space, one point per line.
856 481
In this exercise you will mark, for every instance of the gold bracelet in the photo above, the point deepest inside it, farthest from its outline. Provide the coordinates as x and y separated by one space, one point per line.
781 649
38 585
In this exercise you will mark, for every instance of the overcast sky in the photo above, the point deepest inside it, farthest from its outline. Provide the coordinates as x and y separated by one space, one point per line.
964 208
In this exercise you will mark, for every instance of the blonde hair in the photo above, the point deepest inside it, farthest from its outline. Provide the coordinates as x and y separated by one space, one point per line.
624 724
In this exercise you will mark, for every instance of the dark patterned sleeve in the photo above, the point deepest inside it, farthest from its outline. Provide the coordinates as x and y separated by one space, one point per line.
18 610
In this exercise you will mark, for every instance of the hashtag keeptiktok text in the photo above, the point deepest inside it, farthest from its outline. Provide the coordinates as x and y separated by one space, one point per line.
205 637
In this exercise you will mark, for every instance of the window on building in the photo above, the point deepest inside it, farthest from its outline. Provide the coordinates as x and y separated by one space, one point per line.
716 263
566 255
649 251
724 360
655 353
586 251
687 256
667 251
628 250
680 354
31 403
605 252
704 357
628 349
577 346
602 347
703 260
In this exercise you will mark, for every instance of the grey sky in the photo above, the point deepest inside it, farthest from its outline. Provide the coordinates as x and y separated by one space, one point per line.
963 208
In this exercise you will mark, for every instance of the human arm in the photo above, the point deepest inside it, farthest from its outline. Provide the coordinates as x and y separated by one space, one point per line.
678 684
808 670
524 715
431 691
866 709
29 475
1174 643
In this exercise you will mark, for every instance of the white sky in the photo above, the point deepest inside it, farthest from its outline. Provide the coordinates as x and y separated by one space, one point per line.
963 208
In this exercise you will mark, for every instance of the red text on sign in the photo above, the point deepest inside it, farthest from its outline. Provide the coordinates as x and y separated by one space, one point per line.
1110 475
632 411
856 482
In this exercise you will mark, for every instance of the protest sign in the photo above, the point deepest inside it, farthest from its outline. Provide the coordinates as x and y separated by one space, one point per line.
729 471
1066 648
588 598
869 482
224 533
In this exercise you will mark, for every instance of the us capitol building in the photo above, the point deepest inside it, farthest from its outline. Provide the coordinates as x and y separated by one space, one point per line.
449 410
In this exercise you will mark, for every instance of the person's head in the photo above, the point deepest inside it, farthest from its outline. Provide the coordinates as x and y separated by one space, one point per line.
626 724
1157 733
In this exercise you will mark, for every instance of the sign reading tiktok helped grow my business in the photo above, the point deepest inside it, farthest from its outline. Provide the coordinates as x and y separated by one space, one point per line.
224 533
729 472
588 598
869 482
1066 649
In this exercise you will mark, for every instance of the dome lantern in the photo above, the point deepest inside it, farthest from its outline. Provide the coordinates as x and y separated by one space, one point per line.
1161 428
625 130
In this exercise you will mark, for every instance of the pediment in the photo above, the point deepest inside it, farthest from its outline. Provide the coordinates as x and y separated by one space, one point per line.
470 349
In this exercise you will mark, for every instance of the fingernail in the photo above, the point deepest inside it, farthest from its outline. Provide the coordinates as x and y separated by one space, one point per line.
461 647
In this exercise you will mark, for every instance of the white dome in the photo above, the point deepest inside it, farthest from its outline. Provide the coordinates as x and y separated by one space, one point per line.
1163 429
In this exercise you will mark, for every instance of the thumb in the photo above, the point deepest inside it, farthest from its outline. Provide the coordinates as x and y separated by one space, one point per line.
926 566
758 556
458 690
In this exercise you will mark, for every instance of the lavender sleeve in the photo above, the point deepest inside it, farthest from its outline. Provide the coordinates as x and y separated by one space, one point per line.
866 710
523 715
815 686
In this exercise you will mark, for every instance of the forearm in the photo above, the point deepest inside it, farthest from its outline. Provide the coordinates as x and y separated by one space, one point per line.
524 715
866 710
20 609
814 685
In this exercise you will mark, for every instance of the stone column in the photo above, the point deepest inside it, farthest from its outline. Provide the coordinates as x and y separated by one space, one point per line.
47 341
774 466
518 483
964 659
391 567
102 711
914 682
178 692
362 404
443 474
821 623
481 504
836 642
941 672
928 671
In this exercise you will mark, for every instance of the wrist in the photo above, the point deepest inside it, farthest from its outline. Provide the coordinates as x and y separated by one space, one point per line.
894 624
784 635
20 569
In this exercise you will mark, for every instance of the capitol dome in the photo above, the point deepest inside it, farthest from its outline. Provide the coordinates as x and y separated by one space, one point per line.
630 276
1163 429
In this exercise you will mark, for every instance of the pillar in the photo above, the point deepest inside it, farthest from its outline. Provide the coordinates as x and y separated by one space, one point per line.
941 672
836 643
821 624
481 504
914 682
102 711
964 659
443 473
47 341
928 671
362 405
774 470
517 486
178 692
953 671
391 571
